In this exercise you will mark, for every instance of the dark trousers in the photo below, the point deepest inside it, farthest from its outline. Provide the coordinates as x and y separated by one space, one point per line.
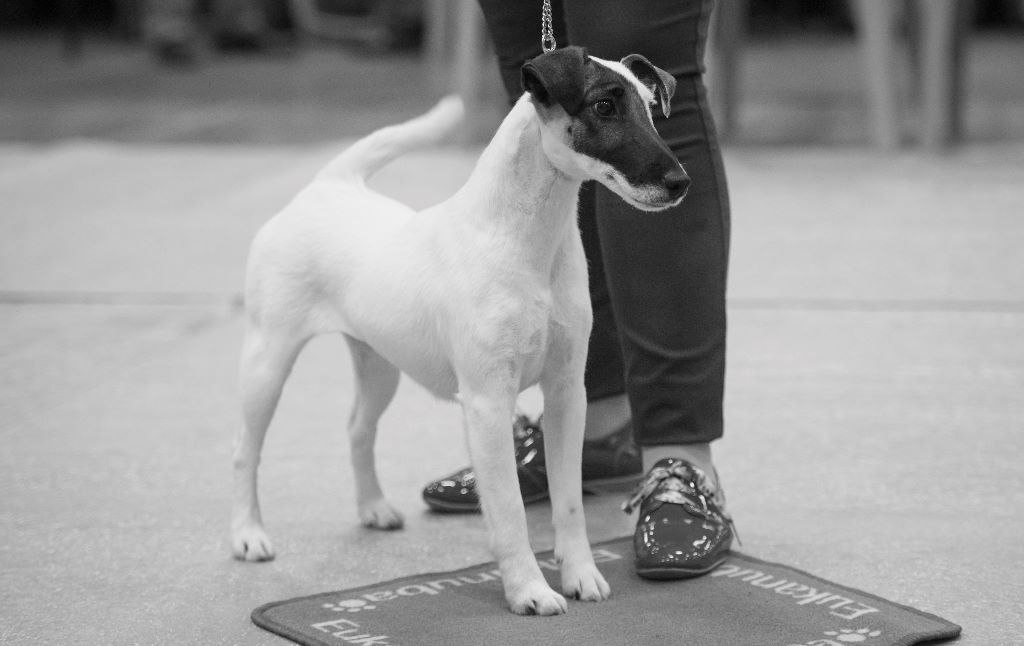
657 280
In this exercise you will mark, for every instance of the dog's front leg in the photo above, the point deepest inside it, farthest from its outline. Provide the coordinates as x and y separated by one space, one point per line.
565 405
488 410
565 409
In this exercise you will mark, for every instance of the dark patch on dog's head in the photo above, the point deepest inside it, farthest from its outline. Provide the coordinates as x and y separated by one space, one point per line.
606 118
614 126
557 77
657 80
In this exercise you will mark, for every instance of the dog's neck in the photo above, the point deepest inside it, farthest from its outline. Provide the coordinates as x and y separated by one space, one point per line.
515 186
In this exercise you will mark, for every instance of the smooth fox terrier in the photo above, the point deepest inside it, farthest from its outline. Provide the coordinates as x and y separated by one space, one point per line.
476 298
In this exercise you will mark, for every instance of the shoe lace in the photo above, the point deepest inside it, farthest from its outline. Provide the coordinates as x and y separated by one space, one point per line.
681 483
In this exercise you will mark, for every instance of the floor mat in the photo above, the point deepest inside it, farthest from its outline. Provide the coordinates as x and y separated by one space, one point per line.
745 602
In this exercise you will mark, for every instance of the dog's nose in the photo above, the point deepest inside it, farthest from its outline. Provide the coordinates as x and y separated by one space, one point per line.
676 182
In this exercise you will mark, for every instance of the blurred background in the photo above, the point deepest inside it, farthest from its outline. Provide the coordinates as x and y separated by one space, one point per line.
833 72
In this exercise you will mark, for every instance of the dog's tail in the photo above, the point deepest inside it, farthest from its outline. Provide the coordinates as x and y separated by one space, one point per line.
371 153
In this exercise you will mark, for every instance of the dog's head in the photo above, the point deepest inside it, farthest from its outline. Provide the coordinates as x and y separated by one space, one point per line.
596 123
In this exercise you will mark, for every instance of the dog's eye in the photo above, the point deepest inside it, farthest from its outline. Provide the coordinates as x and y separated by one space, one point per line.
604 108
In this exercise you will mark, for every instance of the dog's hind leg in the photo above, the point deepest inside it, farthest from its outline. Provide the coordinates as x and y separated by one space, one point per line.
267 360
376 383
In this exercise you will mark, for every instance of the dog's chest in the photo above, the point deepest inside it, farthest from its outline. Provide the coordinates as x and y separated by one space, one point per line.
534 349
509 331
517 327
534 363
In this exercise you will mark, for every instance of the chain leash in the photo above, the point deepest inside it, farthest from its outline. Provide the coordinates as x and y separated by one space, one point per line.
547 31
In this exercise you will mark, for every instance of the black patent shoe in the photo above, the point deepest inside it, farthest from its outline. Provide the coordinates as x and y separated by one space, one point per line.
608 464
683 530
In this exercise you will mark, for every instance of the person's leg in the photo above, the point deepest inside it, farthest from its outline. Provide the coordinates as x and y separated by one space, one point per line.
170 28
666 272
515 30
608 409
666 277
239 24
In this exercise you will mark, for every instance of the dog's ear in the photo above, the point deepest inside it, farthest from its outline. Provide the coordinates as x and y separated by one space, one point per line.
658 80
557 76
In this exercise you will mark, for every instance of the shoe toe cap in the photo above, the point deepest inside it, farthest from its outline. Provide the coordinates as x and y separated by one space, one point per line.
677 544
456 491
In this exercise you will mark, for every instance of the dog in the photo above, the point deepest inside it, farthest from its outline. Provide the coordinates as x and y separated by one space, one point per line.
477 298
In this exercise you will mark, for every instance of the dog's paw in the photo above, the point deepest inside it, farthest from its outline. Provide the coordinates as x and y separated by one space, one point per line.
537 599
585 583
380 515
251 543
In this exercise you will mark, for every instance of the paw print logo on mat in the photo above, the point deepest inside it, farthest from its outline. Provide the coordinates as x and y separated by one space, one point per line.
349 605
851 636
